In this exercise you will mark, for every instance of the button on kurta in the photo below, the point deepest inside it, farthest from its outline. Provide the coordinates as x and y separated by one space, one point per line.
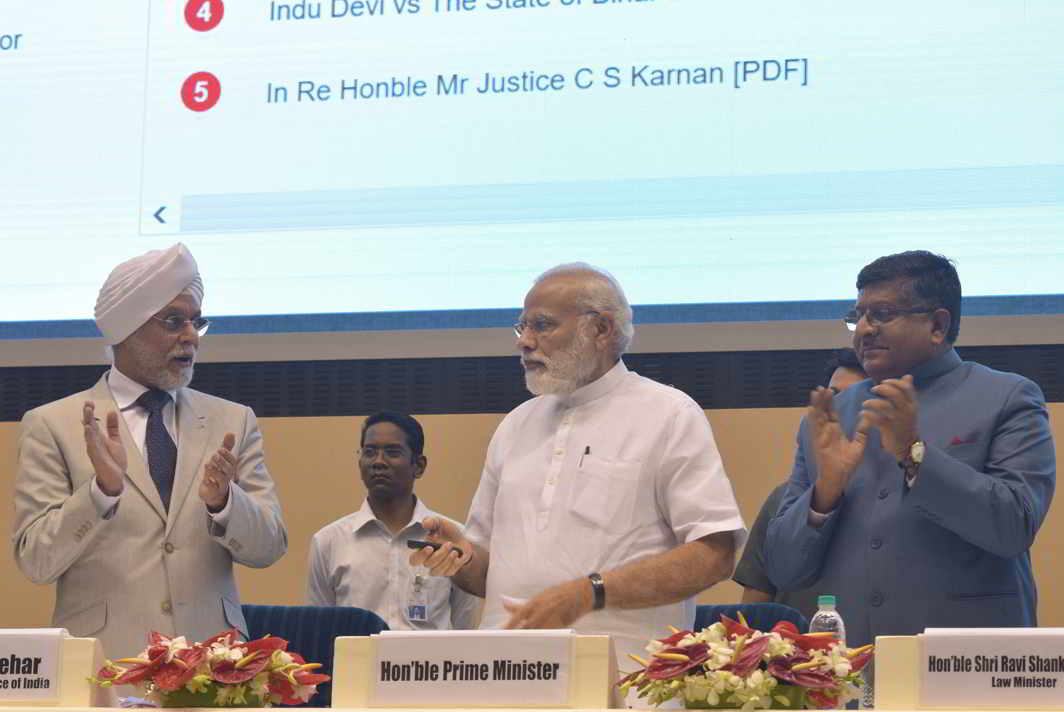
168 548
166 607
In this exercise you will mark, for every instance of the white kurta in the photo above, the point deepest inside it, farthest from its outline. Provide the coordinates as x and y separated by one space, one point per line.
621 469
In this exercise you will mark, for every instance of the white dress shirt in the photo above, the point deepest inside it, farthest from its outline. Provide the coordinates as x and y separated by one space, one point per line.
356 561
621 469
126 391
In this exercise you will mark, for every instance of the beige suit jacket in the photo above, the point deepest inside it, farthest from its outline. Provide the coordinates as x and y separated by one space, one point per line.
141 569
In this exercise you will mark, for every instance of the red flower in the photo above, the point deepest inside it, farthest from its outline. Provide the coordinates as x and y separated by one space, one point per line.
822 699
665 668
859 661
108 672
785 626
228 637
787 630
141 671
781 668
674 638
306 677
734 627
269 644
234 672
164 668
749 657
280 685
173 675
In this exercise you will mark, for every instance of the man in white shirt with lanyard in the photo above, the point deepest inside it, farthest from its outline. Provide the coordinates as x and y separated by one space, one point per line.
374 539
603 505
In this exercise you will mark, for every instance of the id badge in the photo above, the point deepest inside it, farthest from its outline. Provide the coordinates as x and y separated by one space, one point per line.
417 608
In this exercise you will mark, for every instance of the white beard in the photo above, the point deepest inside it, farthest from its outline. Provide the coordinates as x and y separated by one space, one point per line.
161 377
569 369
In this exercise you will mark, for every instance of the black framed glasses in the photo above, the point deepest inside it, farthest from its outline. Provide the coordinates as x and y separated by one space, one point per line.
879 315
175 323
541 325
390 452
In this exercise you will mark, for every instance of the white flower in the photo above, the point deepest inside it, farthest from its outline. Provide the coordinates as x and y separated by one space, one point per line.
174 645
779 647
696 688
303 692
688 640
220 651
258 685
230 695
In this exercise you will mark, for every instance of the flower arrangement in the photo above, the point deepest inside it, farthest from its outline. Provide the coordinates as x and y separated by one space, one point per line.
730 664
222 671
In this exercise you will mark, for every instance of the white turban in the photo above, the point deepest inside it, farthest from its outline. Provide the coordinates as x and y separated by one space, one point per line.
138 288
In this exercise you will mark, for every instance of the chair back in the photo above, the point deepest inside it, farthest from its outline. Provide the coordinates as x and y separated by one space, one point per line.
310 631
760 616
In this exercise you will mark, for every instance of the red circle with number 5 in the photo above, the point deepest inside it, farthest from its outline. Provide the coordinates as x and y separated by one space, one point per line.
201 91
203 15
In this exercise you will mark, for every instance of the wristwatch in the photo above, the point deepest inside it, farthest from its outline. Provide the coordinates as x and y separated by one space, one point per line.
598 591
911 464
916 452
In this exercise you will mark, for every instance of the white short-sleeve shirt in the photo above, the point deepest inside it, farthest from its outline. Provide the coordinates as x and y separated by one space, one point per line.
620 469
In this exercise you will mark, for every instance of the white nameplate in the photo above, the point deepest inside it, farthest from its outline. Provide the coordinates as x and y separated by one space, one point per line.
29 663
472 668
992 667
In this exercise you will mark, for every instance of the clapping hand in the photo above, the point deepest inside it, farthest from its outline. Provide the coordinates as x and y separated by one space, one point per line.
837 456
106 451
218 473
895 414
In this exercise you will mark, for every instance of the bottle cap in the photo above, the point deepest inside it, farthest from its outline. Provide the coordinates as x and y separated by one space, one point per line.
826 600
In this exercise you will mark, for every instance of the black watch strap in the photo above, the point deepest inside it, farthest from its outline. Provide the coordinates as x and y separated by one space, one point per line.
598 592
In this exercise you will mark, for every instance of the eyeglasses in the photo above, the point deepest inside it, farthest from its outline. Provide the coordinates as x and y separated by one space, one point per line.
175 323
541 325
392 452
878 315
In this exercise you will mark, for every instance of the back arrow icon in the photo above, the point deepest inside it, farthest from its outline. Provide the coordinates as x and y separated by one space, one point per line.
158 214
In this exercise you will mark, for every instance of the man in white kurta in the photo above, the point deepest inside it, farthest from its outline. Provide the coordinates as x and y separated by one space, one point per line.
621 469
603 505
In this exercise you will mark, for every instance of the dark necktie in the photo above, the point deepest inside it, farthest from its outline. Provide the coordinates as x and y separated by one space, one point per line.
159 446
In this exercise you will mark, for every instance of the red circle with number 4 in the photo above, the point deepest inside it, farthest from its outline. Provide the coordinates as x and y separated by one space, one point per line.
203 15
201 91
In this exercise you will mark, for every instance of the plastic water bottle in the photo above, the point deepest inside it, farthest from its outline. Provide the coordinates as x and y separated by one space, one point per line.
827 619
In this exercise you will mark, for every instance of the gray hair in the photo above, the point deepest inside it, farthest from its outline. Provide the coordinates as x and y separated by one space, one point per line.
600 292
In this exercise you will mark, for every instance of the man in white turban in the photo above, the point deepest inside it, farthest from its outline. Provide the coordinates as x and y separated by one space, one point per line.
138 515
